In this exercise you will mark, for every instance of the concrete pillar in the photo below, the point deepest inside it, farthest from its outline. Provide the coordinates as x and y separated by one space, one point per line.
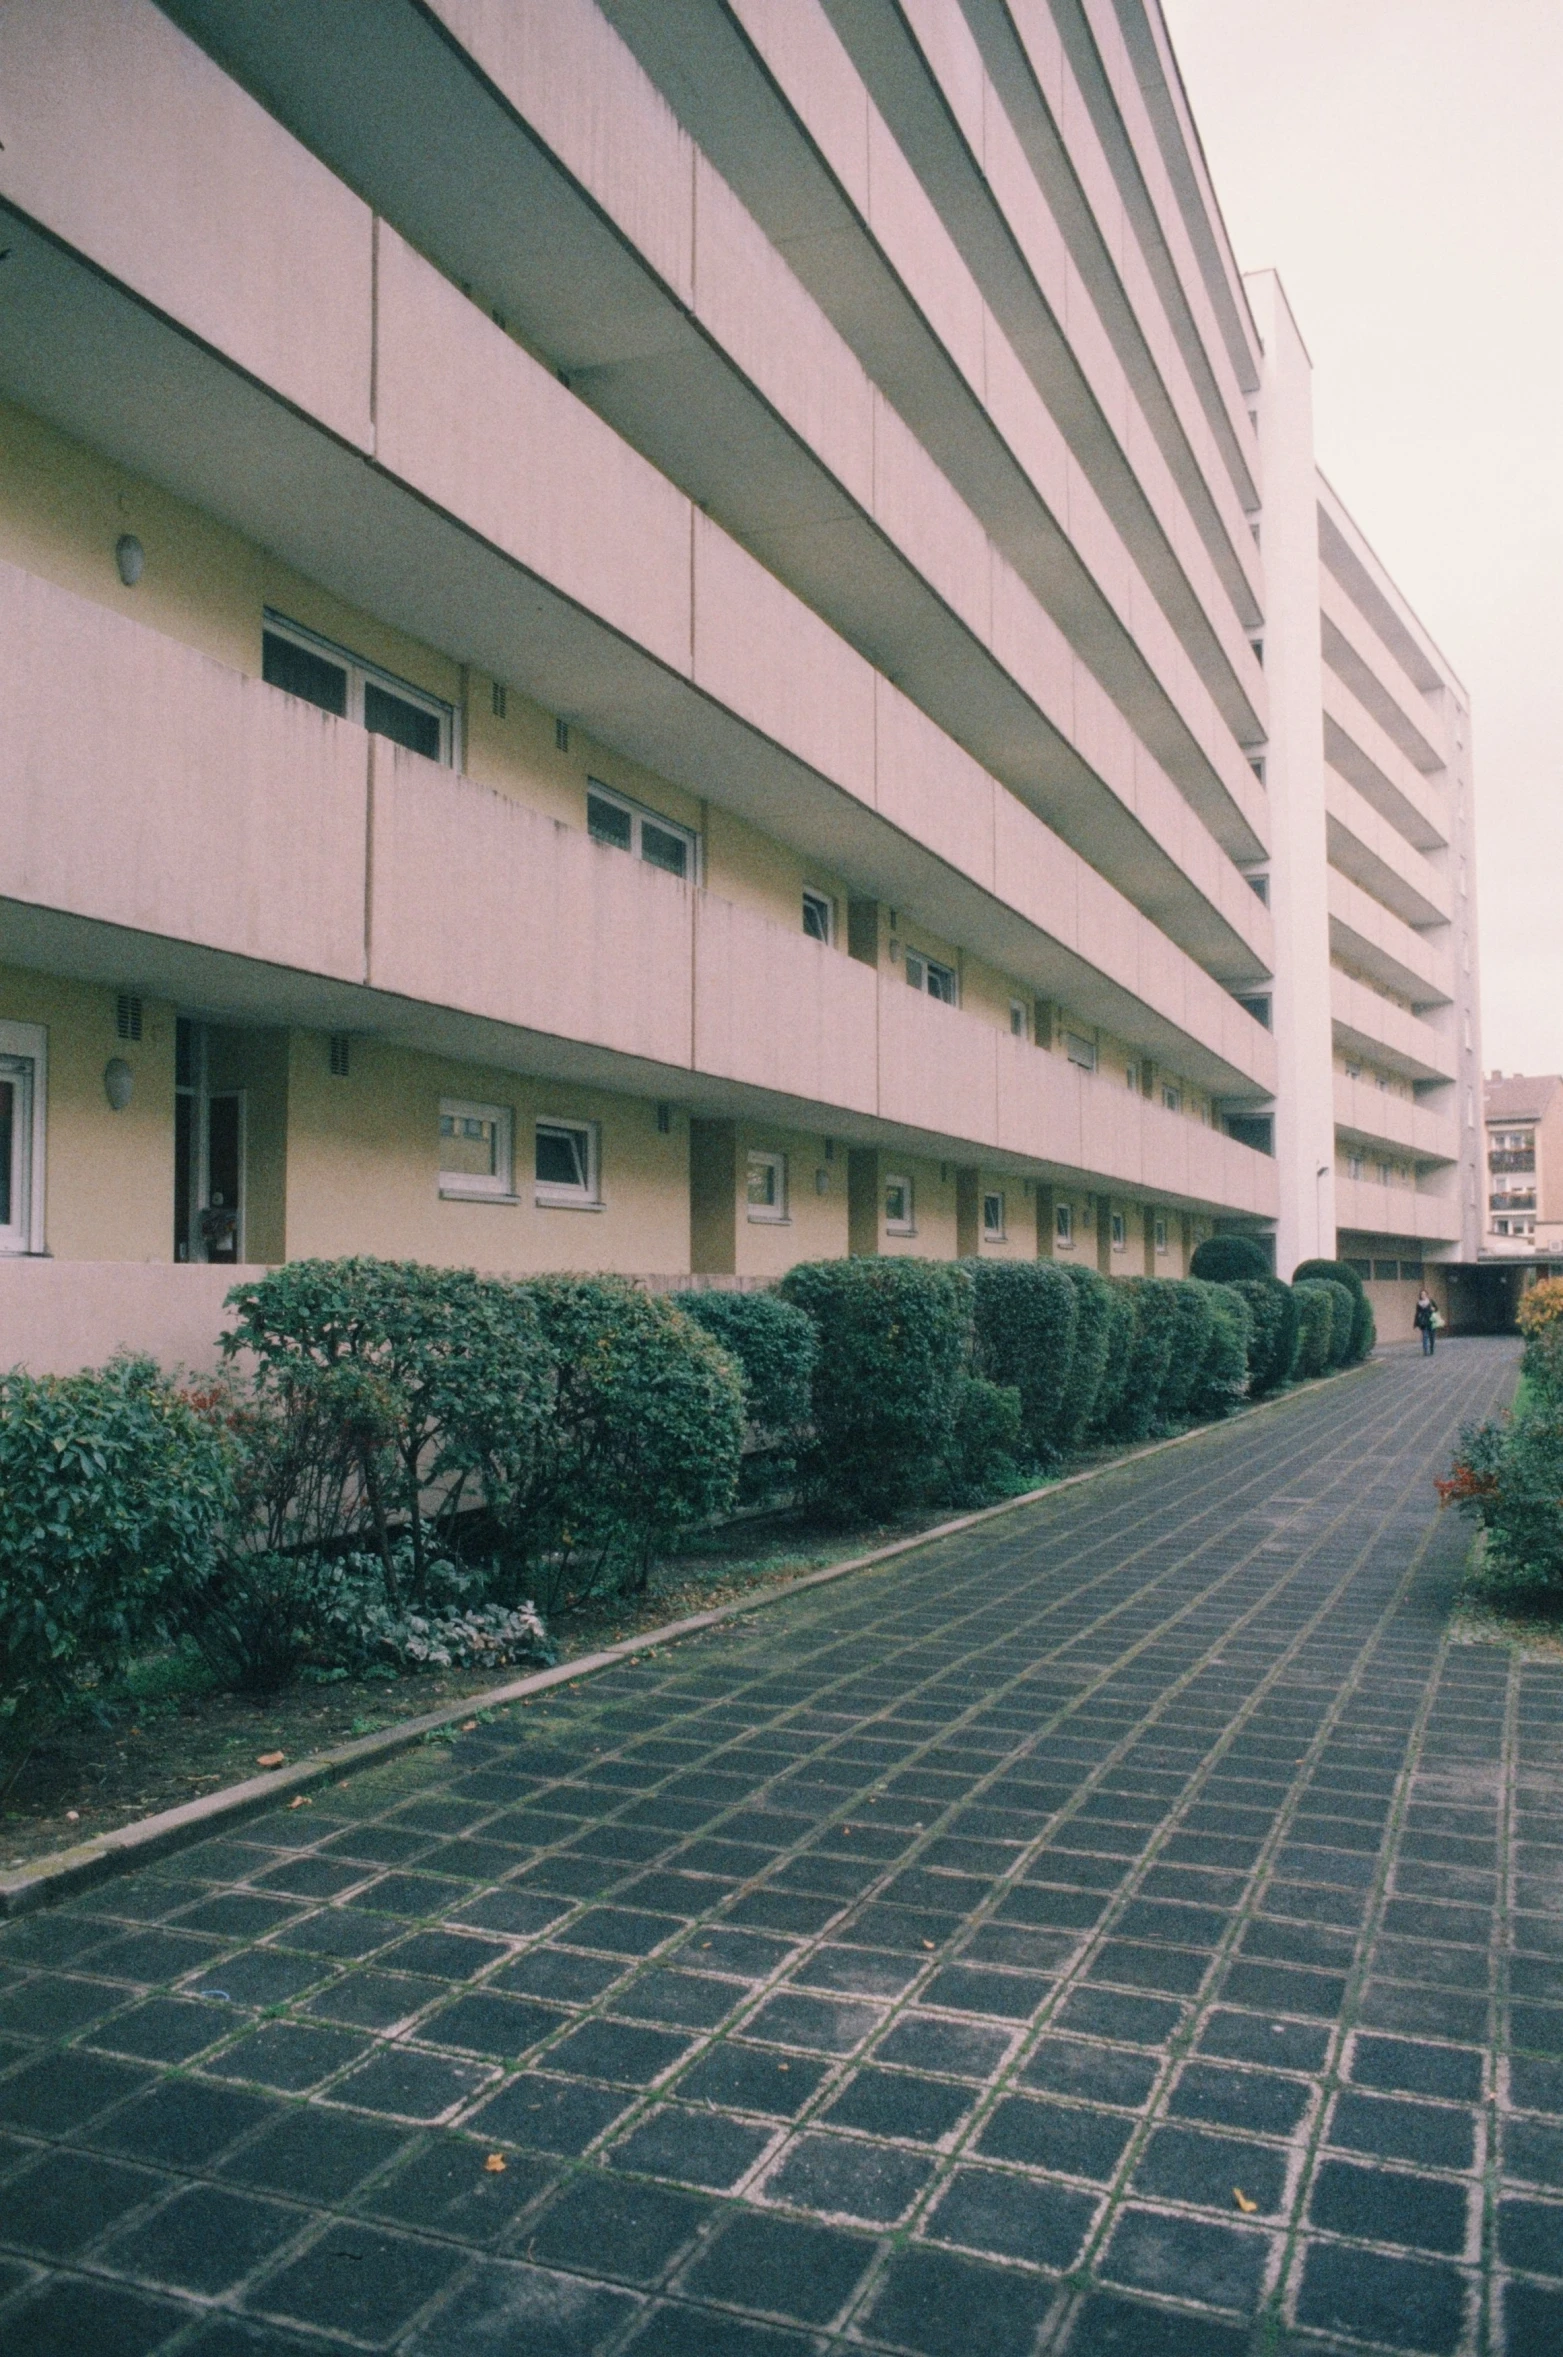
862 1201
713 1198
968 1213
1045 1217
1104 1234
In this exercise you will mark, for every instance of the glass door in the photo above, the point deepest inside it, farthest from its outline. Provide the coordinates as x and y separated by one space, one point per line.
16 1077
208 1154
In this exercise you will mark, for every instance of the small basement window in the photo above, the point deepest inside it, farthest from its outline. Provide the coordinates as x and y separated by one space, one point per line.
1063 1223
475 1149
613 819
993 1219
819 916
1120 1233
303 664
928 974
565 1164
899 1207
767 1187
1160 1235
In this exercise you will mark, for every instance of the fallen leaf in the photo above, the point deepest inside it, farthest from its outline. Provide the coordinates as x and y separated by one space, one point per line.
927 1943
467 1726
270 1759
301 1800
1244 2204
495 2164
73 1816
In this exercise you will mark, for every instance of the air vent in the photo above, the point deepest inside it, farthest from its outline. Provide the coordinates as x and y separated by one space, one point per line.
127 1016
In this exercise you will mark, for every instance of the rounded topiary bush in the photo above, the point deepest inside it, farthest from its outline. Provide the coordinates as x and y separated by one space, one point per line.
1315 1328
1342 1322
1154 1309
1191 1326
1094 1322
894 1337
1223 1376
1272 1346
774 1346
1340 1272
1226 1260
1121 1331
1023 1336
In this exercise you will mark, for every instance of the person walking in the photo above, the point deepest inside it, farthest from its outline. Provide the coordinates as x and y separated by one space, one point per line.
1426 1322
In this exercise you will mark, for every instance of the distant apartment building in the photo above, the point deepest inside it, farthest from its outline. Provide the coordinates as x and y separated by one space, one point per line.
1524 1120
676 639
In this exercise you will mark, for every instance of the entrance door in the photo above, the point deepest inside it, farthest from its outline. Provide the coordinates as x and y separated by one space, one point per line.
209 1156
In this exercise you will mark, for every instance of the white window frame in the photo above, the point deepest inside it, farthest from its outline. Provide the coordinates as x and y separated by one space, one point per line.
552 1197
1080 1051
920 971
1064 1223
640 817
994 1231
825 907
1018 1026
1171 1098
1119 1231
468 1186
361 673
906 1223
1131 1074
1159 1235
25 1048
775 1213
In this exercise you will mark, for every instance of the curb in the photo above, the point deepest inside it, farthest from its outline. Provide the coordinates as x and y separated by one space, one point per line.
60 1874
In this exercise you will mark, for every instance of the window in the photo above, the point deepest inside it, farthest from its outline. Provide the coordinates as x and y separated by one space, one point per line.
1131 1073
1172 1098
1353 1071
1258 1005
474 1149
1385 1272
1063 1223
767 1186
303 664
927 974
1120 1233
1080 1051
1354 1166
819 916
1160 1235
613 819
993 1219
566 1164
1386 1174
898 1207
1017 1018
22 1058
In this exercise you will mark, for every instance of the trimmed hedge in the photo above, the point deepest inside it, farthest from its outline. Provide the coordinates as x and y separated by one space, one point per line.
894 1338
1315 1328
1023 1336
1223 1376
1340 1272
1121 1331
1153 1333
1191 1330
1272 1347
1229 1260
774 1346
1094 1323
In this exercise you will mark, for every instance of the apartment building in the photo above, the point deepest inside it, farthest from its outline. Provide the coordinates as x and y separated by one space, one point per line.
674 640
1524 1146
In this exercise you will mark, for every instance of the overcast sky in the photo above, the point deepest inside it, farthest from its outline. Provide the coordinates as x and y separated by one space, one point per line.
1400 163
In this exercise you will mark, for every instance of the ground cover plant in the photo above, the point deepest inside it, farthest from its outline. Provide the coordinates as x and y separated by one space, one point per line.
1507 1473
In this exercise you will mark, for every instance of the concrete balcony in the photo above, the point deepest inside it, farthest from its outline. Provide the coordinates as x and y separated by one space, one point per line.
1370 760
1366 1025
1363 1208
1365 1112
1364 846
1354 650
1367 934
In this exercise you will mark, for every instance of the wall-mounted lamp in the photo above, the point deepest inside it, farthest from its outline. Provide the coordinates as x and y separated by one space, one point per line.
118 1083
131 558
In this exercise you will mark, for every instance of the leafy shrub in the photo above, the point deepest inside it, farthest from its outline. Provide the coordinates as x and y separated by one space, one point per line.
1154 1307
773 1346
1541 1307
1342 1323
893 1339
1094 1322
1345 1351
987 1442
1023 1334
1509 1476
641 1440
1315 1328
1223 1375
1543 1359
1191 1328
1229 1260
111 1488
1121 1331
1273 1344
431 1378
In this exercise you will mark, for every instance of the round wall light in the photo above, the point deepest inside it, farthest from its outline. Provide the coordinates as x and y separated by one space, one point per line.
118 1082
130 557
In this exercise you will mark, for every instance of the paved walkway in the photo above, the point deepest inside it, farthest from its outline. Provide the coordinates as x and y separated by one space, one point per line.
1125 1929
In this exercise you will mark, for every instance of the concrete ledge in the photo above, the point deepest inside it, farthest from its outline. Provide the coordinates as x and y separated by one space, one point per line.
63 1873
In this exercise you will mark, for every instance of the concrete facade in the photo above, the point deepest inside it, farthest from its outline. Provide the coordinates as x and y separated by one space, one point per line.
748 674
1523 1178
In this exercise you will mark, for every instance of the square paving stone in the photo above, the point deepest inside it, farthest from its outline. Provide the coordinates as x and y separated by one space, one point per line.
378 1845
443 1955
414 1895
487 2023
60 2092
862 1972
338 1931
676 2331
357 2280
1533 2151
559 1973
1535 2084
1432 2013
1004 1996
612 2226
310 1877
70 2316
402 2083
623 1931
1413 2068
1099 2074
1441 2139
745 2078
1013 2216
1537 2028
162 2029
1533 2319
695 2147
1253 2037
1410 2303
1060 1910
1103 2013
205 2240
1066 2137
1187 2165
519 1912
619 2051
929 2301
257 1977
1151 2251
147 1957
1389 2205
185 2123
1530 2235
550 2115
694 2000
374 2000
848 2177
288 2056
1258 2100
746 1955
1133 1965
447 2188
1272 1986
817 2023
313 2154
780 2267
508 2306
960 2049
54 1938
237 1916
1111 2327
894 2103
68 2199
